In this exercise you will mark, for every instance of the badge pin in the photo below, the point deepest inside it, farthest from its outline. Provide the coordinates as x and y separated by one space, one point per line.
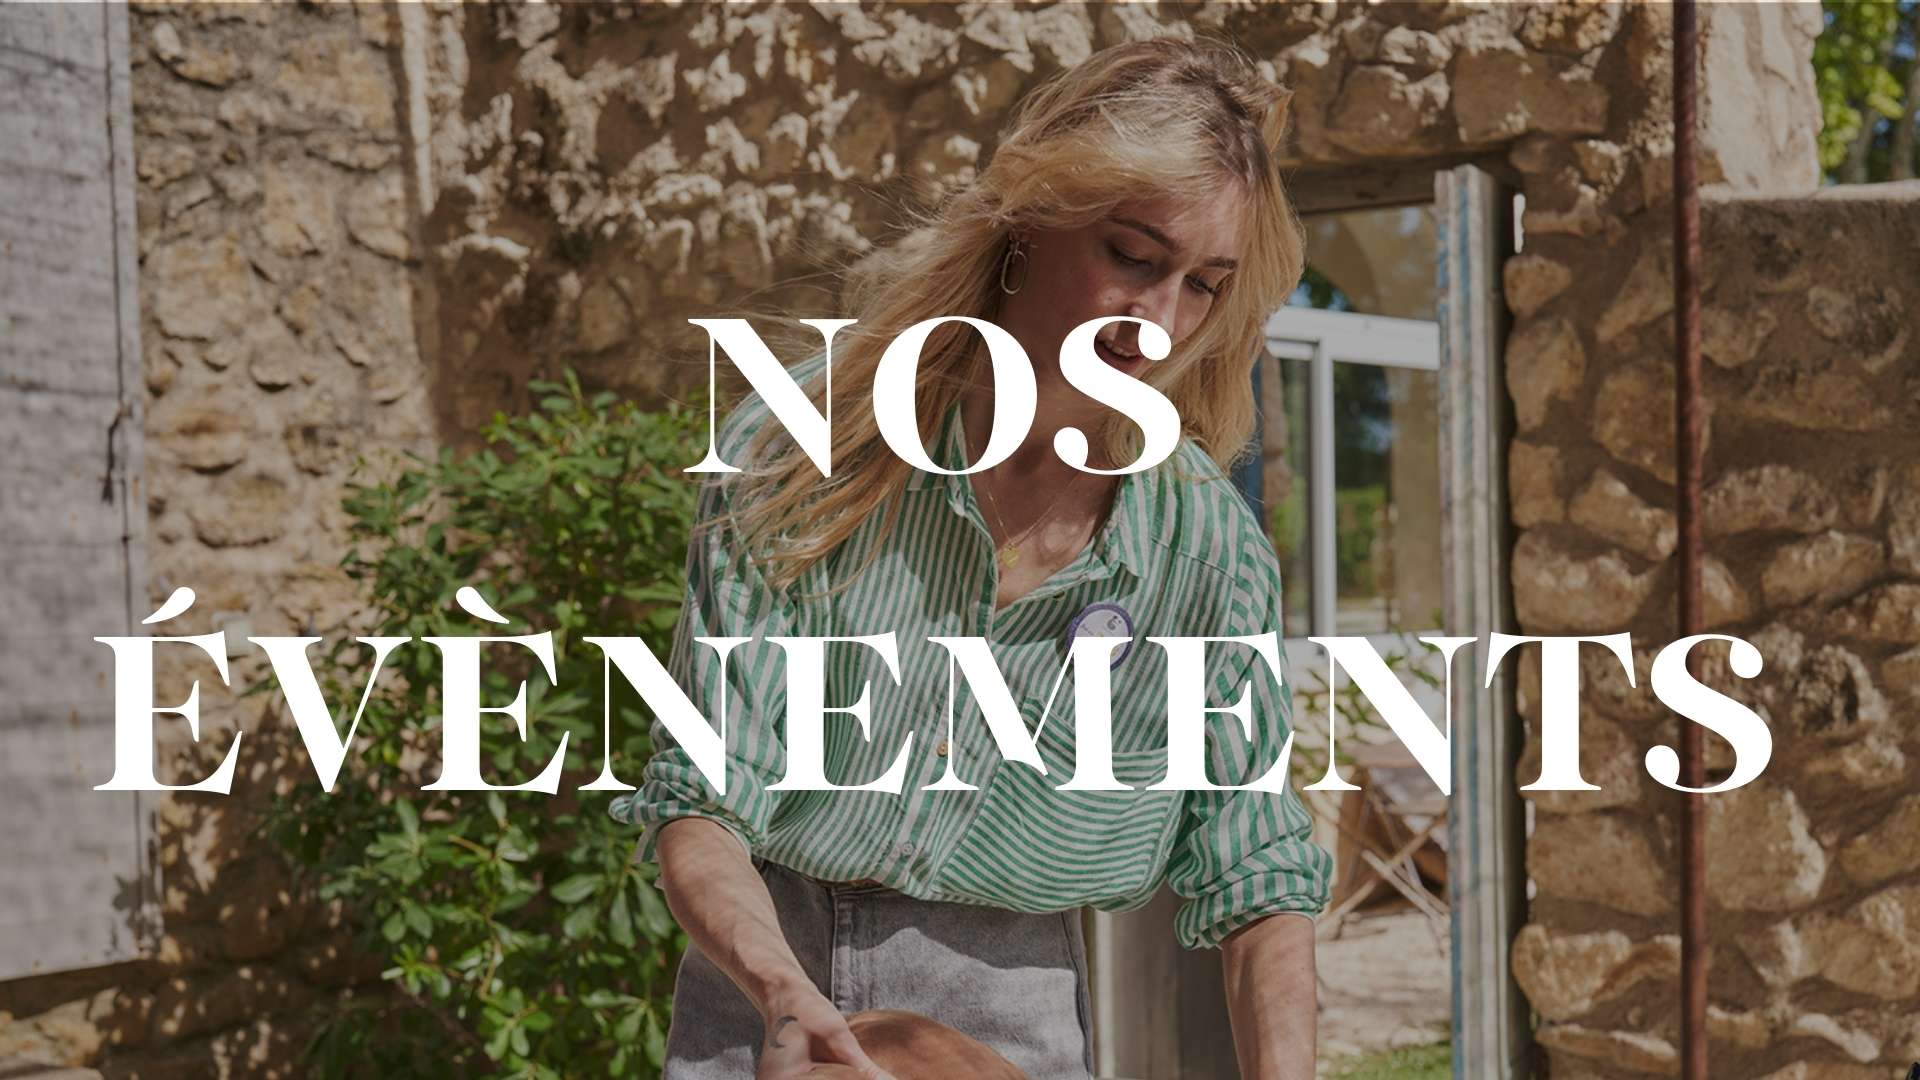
1103 620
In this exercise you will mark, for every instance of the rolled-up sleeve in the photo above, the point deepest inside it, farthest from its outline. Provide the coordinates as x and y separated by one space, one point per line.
726 596
1243 855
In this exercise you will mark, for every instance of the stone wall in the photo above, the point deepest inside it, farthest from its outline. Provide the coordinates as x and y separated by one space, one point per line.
277 279
364 228
1811 514
598 174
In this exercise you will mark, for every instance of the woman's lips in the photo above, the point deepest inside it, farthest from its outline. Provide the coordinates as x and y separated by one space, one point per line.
1117 359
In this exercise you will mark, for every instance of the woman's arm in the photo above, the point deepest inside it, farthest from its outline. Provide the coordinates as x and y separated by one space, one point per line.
720 900
1271 997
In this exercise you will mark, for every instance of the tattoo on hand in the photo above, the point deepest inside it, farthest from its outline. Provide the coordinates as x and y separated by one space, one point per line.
773 1037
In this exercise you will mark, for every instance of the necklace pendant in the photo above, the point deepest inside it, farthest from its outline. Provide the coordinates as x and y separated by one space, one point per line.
1009 554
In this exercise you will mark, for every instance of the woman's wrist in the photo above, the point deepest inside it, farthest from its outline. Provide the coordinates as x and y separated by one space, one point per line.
776 991
720 899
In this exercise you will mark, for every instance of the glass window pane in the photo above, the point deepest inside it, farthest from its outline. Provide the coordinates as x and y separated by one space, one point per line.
1386 572
1387 499
1376 262
1283 411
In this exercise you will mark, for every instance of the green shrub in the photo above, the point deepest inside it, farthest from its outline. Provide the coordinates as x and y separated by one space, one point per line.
518 938
1359 514
1431 1062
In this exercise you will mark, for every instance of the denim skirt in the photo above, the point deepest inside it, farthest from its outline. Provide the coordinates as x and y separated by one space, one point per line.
1014 981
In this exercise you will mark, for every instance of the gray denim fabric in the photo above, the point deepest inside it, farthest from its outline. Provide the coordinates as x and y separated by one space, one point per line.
1014 981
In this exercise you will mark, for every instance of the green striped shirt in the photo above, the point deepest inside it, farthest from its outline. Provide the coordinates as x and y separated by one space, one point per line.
1184 555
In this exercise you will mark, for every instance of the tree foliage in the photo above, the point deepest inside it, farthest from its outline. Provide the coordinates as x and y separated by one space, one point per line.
1869 89
518 937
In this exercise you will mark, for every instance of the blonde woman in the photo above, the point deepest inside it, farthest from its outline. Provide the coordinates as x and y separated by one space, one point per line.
1140 183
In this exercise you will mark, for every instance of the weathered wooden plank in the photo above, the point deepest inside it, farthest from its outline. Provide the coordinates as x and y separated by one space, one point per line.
60 124
55 675
56 454
71 910
69 362
57 214
63 746
61 586
129 438
57 329
53 217
47 503
38 428
40 509
65 35
130 441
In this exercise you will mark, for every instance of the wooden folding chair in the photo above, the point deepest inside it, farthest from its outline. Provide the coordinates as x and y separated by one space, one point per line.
1390 834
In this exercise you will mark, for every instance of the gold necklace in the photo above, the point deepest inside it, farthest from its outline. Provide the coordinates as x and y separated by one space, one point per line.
1009 550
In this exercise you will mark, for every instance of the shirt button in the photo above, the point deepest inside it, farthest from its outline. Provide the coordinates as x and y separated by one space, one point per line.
941 749
903 850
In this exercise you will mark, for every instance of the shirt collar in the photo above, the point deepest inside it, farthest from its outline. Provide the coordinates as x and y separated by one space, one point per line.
1122 543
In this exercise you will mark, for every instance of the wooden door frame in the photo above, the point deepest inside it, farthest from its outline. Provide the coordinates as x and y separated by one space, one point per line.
1486 880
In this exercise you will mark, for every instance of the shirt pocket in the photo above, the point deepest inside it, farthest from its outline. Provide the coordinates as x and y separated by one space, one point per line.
1034 848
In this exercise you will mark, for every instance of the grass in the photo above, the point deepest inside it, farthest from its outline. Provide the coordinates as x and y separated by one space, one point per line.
1432 1062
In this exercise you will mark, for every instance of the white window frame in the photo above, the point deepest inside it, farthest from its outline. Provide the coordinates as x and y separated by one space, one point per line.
1320 339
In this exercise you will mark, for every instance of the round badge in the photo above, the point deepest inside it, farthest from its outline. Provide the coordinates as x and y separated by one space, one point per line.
1103 620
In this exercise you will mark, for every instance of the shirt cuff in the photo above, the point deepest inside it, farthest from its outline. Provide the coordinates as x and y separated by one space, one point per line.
1198 926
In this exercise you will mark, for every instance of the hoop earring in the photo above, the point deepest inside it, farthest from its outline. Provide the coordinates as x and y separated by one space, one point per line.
1006 265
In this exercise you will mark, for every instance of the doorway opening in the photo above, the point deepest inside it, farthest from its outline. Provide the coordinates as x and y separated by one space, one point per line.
1380 475
1350 470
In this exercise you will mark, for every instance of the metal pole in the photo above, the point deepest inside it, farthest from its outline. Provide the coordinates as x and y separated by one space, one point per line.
1686 341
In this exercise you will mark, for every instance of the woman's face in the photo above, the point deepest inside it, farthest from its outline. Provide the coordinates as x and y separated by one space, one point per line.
1162 260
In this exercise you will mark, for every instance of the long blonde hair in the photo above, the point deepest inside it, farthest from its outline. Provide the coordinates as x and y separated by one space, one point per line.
1158 117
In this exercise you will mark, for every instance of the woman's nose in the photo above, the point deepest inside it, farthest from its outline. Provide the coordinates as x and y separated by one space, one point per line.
1159 306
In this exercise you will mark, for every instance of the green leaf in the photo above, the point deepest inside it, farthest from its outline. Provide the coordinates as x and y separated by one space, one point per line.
409 817
497 1044
656 1040
579 922
577 888
620 921
655 915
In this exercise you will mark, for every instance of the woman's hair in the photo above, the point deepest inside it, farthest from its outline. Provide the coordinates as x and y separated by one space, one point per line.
1161 117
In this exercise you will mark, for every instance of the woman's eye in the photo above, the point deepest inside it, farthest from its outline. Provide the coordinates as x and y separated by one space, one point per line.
1202 287
1126 259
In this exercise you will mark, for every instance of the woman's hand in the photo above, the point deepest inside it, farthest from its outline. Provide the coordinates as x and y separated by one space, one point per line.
721 901
804 1030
